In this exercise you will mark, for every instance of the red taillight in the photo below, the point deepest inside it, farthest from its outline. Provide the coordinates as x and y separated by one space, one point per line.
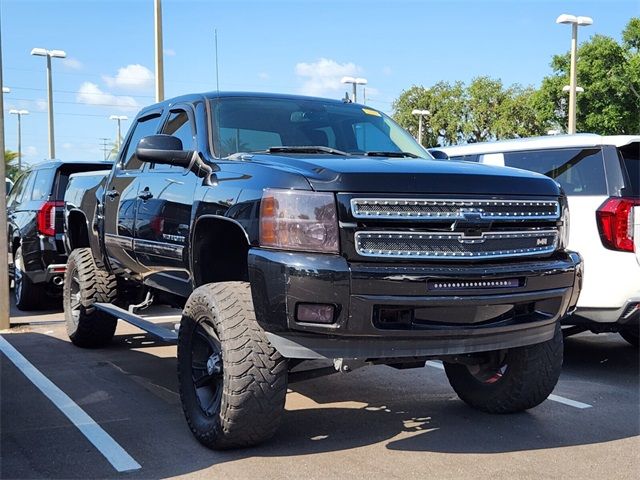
46 219
615 223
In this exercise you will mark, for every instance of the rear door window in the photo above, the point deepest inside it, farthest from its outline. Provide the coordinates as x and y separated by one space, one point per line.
16 191
631 159
25 192
42 184
580 171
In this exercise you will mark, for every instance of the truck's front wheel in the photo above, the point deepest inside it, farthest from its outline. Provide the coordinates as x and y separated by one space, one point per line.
233 383
85 283
510 380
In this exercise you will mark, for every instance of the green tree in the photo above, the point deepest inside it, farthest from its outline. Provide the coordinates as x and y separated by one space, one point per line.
482 111
609 72
445 103
10 164
519 115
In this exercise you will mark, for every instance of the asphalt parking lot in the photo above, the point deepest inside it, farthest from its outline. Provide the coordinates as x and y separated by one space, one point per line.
376 422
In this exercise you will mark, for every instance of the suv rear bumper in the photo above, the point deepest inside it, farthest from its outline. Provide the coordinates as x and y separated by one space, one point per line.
369 297
44 264
627 314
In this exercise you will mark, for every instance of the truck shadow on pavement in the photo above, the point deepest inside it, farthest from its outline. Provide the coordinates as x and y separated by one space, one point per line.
130 387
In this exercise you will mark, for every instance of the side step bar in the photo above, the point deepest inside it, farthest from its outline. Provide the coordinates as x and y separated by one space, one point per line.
156 331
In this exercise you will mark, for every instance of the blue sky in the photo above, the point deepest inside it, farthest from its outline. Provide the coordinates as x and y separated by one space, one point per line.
270 45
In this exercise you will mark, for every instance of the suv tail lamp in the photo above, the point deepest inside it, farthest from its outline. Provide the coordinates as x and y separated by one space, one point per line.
299 220
46 218
615 223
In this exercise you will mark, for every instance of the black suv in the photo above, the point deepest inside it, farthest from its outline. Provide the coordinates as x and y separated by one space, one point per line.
34 209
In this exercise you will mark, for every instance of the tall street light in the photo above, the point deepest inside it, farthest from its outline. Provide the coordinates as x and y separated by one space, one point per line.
19 113
157 18
420 113
575 22
567 88
49 54
5 321
6 90
354 81
118 118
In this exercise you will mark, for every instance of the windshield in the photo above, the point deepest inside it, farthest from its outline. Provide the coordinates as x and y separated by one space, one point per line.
257 124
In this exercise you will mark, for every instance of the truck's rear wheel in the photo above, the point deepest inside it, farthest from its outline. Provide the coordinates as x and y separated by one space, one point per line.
510 380
85 283
233 383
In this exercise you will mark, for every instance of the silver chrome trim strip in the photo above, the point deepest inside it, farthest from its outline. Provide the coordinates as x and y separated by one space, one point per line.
543 249
161 249
120 241
470 205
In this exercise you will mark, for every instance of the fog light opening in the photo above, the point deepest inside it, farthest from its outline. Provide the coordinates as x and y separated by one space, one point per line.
315 313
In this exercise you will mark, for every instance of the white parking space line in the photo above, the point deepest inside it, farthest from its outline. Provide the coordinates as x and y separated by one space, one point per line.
552 397
568 401
106 445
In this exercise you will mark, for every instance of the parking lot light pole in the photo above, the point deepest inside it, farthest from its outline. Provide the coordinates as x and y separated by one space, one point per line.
575 22
354 81
567 88
19 113
49 54
157 17
118 118
420 113
4 247
6 90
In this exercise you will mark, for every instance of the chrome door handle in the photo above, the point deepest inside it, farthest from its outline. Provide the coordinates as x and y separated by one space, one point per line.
113 193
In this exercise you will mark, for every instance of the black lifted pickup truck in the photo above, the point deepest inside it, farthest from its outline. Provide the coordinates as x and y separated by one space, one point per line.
293 228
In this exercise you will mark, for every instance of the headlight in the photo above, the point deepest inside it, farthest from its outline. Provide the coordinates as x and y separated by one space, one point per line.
299 220
564 228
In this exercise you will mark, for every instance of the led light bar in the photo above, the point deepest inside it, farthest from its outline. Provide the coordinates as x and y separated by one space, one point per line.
474 284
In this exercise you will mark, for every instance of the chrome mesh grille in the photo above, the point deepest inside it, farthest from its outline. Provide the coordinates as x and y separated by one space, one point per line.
454 245
454 209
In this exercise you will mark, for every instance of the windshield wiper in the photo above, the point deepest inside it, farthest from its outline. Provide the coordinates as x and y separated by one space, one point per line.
391 154
307 149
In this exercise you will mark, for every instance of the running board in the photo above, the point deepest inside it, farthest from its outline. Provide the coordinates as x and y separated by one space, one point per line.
156 331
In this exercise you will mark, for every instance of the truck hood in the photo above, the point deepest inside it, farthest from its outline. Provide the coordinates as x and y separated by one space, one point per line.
409 175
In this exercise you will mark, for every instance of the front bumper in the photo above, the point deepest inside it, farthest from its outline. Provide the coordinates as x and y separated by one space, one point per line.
388 310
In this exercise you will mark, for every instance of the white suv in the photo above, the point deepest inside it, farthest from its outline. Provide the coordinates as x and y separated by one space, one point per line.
601 177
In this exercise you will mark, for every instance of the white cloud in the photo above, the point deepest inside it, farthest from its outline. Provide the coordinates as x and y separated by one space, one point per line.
90 94
323 77
67 146
30 151
41 104
169 52
72 63
133 76
263 76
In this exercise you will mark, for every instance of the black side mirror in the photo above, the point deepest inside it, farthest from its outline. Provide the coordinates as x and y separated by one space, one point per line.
438 154
163 149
